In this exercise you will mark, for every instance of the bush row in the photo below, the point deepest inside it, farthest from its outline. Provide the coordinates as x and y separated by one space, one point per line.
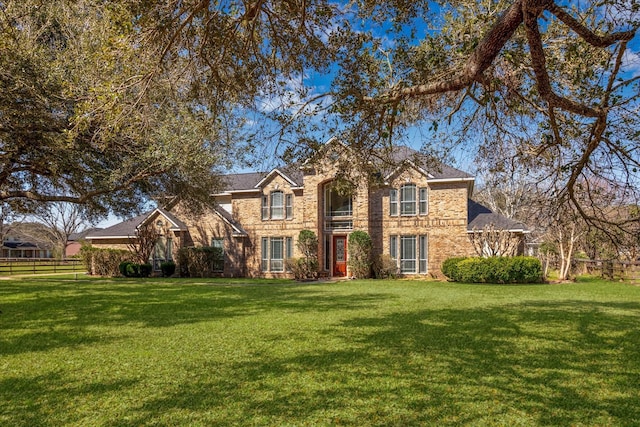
132 269
518 269
103 262
200 261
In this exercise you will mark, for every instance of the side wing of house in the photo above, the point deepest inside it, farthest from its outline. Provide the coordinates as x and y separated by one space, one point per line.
422 218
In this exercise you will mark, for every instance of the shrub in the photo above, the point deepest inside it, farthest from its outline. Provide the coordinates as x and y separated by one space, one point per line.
103 262
385 267
303 268
132 270
359 248
144 270
450 268
124 265
493 270
168 268
200 261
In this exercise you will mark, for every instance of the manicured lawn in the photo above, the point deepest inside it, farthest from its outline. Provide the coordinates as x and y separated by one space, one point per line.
199 352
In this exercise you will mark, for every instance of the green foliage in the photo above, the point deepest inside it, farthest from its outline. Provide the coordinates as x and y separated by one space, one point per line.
168 268
308 243
132 269
450 268
359 260
202 261
103 262
307 267
80 122
385 267
493 270
303 268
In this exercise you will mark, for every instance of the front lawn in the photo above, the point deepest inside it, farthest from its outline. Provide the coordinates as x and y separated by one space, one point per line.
201 352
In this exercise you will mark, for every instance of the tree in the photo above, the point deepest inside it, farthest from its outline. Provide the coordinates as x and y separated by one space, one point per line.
359 261
553 77
61 219
89 117
491 242
144 242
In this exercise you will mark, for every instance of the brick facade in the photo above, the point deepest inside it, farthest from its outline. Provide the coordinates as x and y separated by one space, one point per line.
420 218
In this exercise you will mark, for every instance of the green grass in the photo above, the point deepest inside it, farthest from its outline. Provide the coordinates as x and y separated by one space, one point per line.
210 352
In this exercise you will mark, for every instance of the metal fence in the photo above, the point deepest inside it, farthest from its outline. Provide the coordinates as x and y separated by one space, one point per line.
14 266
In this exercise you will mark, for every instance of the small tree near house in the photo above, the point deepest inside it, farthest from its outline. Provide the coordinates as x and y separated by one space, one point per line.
305 268
143 243
491 242
359 262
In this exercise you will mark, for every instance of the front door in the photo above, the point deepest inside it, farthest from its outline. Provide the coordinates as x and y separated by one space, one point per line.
340 256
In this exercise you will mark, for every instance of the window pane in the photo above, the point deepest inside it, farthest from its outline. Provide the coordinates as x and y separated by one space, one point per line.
277 205
408 199
289 205
265 207
423 254
289 242
265 254
393 202
393 247
424 204
408 254
327 246
277 254
218 262
336 204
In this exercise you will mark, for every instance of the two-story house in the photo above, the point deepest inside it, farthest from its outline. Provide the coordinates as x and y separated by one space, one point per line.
416 214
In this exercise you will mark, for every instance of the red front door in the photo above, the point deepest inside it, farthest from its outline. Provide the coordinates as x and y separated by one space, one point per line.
340 256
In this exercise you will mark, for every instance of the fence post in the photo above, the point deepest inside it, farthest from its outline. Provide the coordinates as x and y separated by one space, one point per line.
607 269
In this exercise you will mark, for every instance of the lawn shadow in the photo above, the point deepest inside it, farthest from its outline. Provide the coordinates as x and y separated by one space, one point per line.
539 363
40 317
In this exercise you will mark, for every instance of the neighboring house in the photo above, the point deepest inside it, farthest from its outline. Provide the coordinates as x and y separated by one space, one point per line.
76 240
17 247
417 215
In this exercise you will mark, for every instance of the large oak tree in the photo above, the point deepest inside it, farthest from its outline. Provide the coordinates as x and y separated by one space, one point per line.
545 82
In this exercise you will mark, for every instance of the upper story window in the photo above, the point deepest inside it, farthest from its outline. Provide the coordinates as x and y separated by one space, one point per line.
337 204
408 200
338 210
277 205
424 201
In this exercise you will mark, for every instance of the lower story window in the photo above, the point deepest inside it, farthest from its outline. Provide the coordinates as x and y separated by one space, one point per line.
218 256
274 251
410 252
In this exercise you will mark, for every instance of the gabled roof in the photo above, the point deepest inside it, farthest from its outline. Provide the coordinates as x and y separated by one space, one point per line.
433 169
478 217
120 230
251 181
277 172
238 231
176 224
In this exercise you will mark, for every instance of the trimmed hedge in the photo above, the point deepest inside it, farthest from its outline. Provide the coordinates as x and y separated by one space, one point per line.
103 262
132 269
502 270
200 261
168 268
